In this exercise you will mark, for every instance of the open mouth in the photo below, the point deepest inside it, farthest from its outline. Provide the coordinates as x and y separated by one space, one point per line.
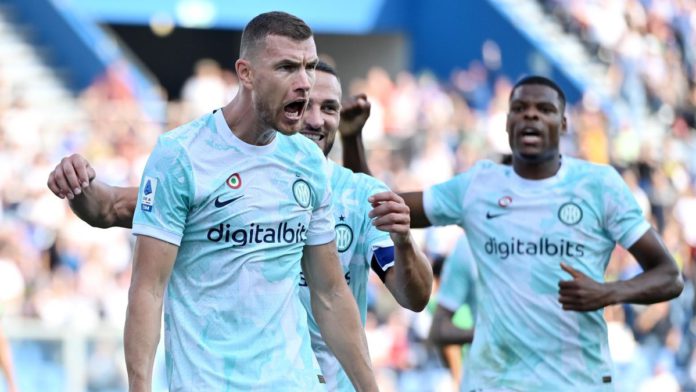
530 135
312 135
295 109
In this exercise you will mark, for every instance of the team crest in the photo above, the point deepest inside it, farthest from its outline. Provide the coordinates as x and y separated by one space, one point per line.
234 181
344 237
302 192
570 213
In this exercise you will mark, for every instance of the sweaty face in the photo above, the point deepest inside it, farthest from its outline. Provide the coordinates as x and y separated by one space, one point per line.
323 111
535 122
283 75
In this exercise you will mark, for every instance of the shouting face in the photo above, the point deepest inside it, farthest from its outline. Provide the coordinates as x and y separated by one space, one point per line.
283 73
535 122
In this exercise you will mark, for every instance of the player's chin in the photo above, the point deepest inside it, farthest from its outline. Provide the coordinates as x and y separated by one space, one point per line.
288 128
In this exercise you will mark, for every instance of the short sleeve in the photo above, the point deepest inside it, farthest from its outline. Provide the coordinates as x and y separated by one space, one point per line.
458 277
444 203
321 226
166 190
623 218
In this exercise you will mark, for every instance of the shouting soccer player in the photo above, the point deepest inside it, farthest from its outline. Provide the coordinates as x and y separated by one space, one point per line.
541 232
231 208
385 245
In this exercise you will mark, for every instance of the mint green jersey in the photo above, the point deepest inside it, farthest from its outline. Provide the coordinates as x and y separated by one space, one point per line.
458 278
520 231
241 216
361 246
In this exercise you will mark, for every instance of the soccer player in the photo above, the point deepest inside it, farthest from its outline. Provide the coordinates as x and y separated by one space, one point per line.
384 245
452 324
542 232
231 207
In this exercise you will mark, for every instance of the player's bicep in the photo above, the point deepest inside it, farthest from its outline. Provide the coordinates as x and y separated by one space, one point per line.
414 201
153 260
321 267
650 251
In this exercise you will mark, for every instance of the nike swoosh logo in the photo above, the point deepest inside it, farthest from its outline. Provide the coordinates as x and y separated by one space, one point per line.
491 216
220 204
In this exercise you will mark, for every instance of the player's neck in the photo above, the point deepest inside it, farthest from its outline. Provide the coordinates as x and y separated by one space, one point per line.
245 122
537 170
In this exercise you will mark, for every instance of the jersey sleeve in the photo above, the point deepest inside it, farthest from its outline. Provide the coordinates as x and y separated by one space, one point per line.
623 218
444 203
458 277
379 247
321 226
165 193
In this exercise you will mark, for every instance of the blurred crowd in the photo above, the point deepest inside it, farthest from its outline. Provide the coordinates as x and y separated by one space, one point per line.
422 131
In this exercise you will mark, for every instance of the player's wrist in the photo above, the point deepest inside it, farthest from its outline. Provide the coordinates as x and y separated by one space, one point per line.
350 134
613 294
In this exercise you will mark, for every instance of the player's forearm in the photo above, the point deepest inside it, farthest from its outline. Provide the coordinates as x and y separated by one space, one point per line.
339 321
661 283
411 281
354 157
102 205
443 332
141 336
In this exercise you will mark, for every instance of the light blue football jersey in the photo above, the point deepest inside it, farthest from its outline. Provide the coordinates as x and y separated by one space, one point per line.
241 215
458 285
357 240
520 231
458 278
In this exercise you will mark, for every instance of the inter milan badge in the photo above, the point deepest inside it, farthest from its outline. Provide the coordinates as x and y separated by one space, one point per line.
302 193
344 237
570 213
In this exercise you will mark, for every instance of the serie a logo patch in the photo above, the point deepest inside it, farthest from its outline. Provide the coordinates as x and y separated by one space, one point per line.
147 195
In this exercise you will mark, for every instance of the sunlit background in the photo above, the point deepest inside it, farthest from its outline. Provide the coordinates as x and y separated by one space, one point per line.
104 78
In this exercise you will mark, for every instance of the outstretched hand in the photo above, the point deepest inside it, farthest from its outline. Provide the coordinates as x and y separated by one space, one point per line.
582 293
70 177
354 114
391 214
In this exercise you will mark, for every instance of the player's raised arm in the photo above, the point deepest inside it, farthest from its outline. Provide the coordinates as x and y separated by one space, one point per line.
354 114
410 280
93 201
153 261
336 313
659 281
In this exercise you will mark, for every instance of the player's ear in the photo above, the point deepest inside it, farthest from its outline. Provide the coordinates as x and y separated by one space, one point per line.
244 73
